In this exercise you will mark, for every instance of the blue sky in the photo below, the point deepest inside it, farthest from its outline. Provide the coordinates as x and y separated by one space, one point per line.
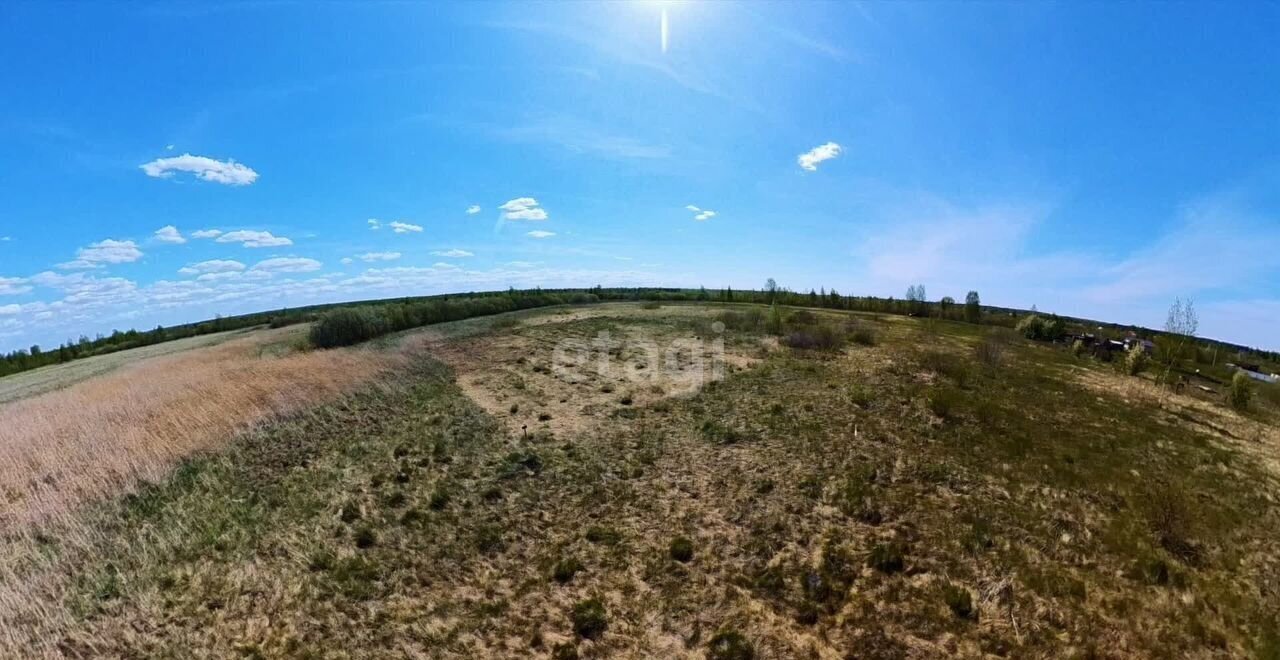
164 163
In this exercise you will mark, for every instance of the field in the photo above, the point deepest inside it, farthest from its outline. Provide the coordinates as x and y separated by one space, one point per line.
643 481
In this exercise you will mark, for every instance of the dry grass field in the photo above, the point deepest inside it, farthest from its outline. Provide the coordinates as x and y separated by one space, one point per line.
487 495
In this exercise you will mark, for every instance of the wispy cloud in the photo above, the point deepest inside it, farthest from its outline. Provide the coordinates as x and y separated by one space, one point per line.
206 233
227 172
374 224
538 233
169 234
102 253
12 286
473 209
582 138
455 253
810 159
523 208
288 265
405 227
379 256
212 266
254 239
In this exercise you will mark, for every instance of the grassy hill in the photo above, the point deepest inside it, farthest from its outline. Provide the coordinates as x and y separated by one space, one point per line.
732 485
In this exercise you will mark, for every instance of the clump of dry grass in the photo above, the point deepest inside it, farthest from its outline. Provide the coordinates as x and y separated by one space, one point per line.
104 435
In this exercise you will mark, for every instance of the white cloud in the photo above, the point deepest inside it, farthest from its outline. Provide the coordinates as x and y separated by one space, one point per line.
380 256
374 224
254 239
538 233
104 252
346 261
523 208
169 234
10 310
810 159
404 227
12 286
693 208
705 215
473 209
288 265
443 266
212 266
206 233
455 253
226 172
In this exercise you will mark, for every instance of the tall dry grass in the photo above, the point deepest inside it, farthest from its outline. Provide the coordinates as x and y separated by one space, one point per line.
102 437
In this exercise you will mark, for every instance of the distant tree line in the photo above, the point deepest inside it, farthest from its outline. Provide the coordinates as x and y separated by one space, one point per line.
391 315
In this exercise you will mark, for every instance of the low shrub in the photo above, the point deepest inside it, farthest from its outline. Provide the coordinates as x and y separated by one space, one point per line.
946 364
990 351
958 599
730 645
862 334
943 402
589 618
603 535
565 569
748 320
681 549
887 558
820 337
1136 361
1241 391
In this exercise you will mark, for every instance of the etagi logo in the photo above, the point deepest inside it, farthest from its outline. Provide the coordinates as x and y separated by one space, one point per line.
680 365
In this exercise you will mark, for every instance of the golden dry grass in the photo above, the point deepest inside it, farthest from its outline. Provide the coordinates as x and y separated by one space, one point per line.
101 436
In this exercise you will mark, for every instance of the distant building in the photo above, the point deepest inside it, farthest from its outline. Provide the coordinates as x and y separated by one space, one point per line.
1251 371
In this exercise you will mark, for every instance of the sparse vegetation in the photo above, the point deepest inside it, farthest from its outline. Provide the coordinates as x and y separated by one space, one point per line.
589 619
681 549
407 514
730 645
1241 391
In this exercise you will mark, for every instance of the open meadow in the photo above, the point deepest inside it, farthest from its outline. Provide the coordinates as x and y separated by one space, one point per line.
680 480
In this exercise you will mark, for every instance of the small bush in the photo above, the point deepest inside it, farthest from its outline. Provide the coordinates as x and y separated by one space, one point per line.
773 323
946 364
489 540
746 321
1135 361
366 538
1241 391
603 536
565 569
886 558
652 304
589 619
346 326
1173 520
990 351
439 499
959 600
730 645
681 549
943 402
1078 348
821 337
862 335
